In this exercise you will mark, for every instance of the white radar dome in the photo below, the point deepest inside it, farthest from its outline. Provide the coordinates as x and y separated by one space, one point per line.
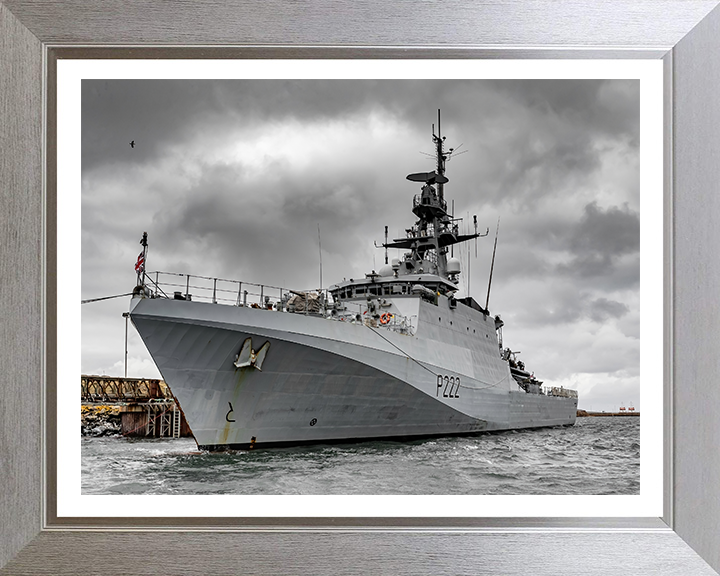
453 266
386 270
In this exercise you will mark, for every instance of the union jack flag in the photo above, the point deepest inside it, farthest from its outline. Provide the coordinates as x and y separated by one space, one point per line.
140 264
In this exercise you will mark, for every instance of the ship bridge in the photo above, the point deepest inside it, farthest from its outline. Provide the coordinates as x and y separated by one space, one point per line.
391 285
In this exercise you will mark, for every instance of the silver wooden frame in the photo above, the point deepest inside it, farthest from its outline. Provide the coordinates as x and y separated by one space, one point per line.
684 33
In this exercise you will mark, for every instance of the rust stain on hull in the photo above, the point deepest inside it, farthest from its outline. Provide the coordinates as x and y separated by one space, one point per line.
240 375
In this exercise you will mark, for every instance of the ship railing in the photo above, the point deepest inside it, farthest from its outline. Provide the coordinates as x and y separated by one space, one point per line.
560 392
401 324
357 313
197 288
414 232
232 292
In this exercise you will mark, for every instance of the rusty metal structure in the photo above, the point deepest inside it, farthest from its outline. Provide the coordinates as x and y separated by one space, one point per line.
115 389
147 406
154 419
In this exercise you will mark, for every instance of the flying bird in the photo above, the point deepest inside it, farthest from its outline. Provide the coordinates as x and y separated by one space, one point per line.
132 144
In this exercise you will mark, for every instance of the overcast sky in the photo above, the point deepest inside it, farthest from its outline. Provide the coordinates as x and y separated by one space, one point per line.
231 178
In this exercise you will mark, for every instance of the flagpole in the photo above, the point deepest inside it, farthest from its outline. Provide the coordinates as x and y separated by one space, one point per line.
144 254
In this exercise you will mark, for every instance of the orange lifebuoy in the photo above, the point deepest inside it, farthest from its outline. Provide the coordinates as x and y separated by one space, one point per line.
385 318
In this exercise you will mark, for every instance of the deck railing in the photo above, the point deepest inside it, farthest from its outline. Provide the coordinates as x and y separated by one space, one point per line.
178 286
223 291
561 392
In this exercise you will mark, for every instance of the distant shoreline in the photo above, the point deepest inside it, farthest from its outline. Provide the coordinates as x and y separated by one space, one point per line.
586 413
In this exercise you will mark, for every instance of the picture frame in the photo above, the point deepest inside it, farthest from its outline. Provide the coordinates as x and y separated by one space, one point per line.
685 540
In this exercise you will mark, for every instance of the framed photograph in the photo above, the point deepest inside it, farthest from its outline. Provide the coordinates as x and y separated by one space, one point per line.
276 162
642 187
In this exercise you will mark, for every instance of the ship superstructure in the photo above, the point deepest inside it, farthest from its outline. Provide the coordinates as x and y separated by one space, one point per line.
392 355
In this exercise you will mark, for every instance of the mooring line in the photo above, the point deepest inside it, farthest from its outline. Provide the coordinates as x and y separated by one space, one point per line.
401 350
105 298
503 379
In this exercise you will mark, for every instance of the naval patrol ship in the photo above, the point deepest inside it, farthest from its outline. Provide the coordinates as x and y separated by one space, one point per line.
394 355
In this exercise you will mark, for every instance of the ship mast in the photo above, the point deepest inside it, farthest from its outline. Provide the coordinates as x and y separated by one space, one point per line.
440 157
435 230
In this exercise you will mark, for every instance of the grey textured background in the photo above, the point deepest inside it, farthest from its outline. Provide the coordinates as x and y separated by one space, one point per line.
696 141
21 374
693 508
635 23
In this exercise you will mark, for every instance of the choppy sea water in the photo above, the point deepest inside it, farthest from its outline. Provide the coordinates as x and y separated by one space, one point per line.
596 456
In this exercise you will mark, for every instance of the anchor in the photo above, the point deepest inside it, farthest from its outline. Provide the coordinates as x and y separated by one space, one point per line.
249 357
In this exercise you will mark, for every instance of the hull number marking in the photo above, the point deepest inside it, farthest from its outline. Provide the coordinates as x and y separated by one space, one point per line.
450 386
227 416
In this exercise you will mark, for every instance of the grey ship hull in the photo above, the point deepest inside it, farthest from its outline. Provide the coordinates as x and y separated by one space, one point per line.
328 381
